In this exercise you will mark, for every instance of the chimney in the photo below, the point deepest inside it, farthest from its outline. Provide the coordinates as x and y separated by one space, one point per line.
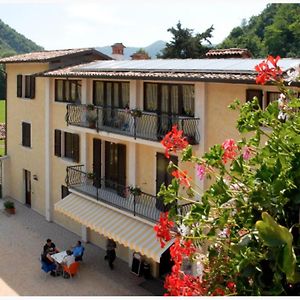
140 55
118 51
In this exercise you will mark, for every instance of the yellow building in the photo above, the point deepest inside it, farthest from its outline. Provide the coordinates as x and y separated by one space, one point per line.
84 131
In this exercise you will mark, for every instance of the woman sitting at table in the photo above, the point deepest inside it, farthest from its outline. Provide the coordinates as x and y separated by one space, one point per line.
68 259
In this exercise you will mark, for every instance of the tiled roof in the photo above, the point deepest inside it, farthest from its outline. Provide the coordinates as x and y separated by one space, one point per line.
230 52
45 56
210 70
146 75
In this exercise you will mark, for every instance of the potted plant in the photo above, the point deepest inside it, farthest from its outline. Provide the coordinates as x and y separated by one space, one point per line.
90 107
10 207
90 175
91 115
136 113
135 190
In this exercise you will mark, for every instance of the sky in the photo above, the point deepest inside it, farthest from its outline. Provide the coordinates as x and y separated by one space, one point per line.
64 24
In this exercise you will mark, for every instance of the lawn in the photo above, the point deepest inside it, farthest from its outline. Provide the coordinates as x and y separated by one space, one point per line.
2 111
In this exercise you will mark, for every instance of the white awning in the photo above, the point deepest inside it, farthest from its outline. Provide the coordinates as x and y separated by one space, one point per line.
124 229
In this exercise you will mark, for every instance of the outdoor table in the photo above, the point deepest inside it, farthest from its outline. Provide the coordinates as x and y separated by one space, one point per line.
58 257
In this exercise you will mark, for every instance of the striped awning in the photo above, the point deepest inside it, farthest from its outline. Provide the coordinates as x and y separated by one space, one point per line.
124 229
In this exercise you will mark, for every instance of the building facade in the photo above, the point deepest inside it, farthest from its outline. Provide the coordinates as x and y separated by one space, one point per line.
84 132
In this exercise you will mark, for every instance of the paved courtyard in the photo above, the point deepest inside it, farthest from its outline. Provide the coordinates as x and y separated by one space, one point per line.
22 237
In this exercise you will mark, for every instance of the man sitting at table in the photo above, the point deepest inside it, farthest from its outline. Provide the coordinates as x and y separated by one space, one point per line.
48 250
78 251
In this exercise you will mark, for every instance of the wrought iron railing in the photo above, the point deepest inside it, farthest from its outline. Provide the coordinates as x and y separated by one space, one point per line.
139 204
135 123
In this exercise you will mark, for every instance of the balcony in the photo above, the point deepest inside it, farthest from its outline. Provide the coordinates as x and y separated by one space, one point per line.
138 204
133 123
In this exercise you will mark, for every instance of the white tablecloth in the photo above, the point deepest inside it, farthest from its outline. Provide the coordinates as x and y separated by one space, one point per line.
58 257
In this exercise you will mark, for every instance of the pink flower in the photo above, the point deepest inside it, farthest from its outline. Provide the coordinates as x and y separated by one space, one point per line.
200 171
246 153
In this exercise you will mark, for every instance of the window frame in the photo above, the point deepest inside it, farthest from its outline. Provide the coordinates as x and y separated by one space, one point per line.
67 91
63 150
170 88
25 86
26 139
110 86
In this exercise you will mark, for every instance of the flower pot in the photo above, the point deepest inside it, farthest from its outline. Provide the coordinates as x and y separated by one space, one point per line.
11 211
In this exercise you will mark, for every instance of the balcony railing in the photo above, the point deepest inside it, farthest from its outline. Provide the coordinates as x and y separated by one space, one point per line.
141 204
144 125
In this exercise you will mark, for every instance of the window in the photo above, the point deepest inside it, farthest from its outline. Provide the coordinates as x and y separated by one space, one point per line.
264 99
67 90
66 145
111 94
26 134
250 94
271 97
175 99
25 86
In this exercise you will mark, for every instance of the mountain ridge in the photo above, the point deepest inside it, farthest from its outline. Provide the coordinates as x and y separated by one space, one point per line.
152 49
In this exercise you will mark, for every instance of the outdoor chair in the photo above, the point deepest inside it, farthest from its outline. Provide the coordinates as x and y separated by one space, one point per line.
48 267
72 270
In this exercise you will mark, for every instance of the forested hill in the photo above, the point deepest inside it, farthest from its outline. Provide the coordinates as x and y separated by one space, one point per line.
275 31
12 42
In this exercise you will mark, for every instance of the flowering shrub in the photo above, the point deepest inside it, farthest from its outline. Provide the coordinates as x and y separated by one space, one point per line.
245 228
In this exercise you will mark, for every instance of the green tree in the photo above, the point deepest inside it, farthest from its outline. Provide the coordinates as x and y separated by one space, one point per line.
186 44
275 31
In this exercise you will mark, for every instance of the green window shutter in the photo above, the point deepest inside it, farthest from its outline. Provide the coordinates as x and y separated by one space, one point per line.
76 146
19 85
57 142
26 134
32 87
121 164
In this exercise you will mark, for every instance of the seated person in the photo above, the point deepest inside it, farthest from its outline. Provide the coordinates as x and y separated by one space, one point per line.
48 250
78 251
68 259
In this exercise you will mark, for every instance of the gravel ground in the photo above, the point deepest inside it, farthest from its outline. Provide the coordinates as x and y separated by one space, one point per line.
22 237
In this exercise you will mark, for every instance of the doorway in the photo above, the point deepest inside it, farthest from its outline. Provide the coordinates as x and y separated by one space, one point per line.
115 166
27 182
97 162
165 264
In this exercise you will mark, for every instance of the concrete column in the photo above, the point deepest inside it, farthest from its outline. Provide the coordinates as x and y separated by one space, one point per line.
84 90
84 234
133 103
200 109
48 204
131 163
83 160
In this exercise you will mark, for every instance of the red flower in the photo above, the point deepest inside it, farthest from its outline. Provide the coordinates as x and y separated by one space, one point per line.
174 141
230 150
163 229
218 292
231 285
268 70
183 177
